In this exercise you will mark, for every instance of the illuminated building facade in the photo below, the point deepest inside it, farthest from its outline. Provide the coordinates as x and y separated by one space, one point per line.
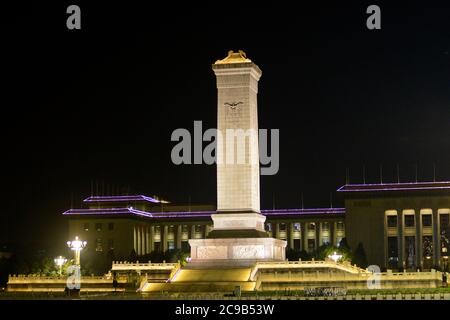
143 224
402 225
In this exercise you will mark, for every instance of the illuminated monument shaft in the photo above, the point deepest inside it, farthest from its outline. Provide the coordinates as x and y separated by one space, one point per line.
237 86
238 235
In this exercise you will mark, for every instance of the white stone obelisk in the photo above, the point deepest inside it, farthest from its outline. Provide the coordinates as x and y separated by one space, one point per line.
238 235
237 121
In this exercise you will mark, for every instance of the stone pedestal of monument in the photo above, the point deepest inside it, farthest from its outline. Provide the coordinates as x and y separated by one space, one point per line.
238 239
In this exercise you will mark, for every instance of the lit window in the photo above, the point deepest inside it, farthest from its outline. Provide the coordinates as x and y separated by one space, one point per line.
426 220
444 221
86 227
171 245
297 226
98 245
268 227
392 221
311 226
409 220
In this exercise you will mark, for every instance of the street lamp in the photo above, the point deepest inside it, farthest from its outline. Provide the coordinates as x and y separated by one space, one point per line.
444 256
335 257
76 245
59 261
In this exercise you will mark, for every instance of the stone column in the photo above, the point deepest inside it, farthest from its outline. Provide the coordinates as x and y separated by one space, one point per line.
179 236
401 241
332 225
164 238
144 240
438 228
149 248
135 239
436 238
320 234
385 241
152 238
419 235
316 235
192 232
304 236
277 230
291 235
138 232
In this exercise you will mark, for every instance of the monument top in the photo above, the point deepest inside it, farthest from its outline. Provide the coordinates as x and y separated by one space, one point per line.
234 57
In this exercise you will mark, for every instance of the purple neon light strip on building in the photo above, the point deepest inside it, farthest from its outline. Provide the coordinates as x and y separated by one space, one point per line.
120 199
397 184
314 211
444 185
107 211
194 214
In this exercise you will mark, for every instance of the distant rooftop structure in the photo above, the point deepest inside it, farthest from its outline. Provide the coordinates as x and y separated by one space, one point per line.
130 198
108 211
388 187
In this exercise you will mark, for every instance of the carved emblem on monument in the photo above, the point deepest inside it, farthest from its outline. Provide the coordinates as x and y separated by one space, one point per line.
233 105
212 252
248 252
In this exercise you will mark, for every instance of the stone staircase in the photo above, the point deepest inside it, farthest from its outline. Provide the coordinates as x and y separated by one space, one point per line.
203 280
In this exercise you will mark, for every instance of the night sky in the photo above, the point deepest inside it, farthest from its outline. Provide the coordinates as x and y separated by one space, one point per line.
98 105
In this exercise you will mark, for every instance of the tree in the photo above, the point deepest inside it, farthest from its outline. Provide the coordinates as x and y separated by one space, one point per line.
110 257
359 256
176 255
291 254
295 255
5 267
345 250
326 250
133 256
343 244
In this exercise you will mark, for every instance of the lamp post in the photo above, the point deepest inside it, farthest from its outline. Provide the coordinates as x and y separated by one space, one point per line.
59 261
444 255
76 245
335 257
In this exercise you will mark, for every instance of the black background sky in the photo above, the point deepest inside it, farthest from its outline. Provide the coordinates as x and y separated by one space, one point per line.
100 104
